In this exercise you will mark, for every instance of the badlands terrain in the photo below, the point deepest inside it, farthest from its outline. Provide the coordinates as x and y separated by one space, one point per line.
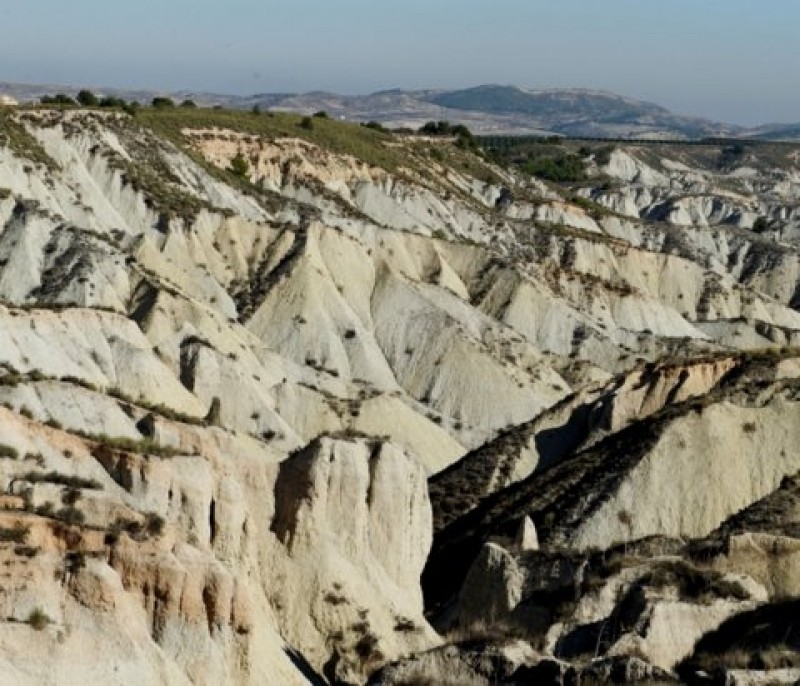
286 400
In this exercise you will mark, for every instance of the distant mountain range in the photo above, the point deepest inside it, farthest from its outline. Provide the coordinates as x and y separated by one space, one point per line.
488 109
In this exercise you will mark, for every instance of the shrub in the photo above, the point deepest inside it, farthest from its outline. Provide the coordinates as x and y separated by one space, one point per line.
45 510
188 104
16 534
70 496
87 98
154 524
115 103
561 168
405 625
436 128
306 123
57 99
367 646
9 452
240 166
28 551
62 480
322 114
335 598
38 619
161 103
70 515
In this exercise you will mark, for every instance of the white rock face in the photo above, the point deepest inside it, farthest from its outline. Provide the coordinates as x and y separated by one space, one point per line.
745 455
355 521
526 536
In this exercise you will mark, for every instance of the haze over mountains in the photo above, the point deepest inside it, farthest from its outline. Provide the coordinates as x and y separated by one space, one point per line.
487 109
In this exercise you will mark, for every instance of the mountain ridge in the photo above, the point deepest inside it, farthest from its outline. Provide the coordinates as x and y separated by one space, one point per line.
485 109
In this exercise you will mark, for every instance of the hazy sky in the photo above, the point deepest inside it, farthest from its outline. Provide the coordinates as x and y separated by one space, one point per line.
732 60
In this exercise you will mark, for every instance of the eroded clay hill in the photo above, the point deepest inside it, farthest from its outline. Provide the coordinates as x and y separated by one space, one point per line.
257 374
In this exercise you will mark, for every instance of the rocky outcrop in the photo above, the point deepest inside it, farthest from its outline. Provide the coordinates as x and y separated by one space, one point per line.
576 423
355 520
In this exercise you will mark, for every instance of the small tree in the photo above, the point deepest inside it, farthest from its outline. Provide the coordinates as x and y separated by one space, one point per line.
87 98
240 166
189 104
322 114
163 103
256 109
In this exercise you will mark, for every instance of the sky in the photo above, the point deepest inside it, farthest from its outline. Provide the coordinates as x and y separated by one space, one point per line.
735 61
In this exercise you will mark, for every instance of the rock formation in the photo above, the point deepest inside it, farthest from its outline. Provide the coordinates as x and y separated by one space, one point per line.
375 407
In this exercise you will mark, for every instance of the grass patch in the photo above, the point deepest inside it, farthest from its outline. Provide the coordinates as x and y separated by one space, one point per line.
144 447
693 583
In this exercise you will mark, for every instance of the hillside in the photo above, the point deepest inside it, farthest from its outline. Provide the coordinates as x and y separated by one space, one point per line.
291 400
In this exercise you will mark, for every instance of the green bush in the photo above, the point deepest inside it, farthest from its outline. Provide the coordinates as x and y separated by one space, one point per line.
240 166
563 168
87 99
161 103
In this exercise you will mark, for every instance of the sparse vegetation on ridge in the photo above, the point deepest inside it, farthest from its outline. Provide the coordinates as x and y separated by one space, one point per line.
15 136
363 143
